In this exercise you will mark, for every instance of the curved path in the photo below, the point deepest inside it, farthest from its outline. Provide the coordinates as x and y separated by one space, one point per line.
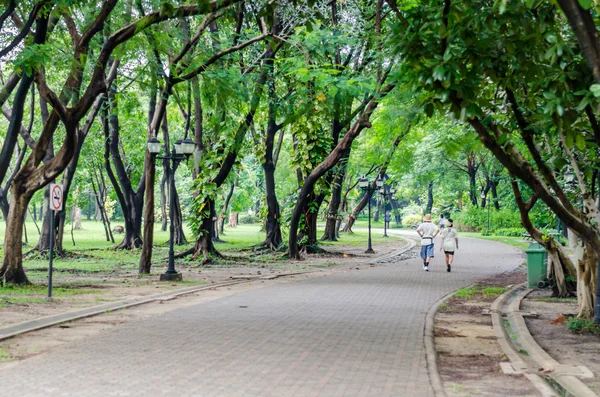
354 333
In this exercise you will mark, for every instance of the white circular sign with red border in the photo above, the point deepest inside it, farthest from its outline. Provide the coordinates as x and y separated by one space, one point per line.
56 197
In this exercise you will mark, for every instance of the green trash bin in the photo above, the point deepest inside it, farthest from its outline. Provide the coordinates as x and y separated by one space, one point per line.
537 266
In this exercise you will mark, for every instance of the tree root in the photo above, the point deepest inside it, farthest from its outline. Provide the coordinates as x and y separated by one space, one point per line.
184 253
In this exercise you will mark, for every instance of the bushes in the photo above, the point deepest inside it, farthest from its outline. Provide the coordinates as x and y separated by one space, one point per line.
408 220
475 219
249 219
582 325
510 232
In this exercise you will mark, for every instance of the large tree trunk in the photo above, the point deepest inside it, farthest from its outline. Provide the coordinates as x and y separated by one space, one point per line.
333 218
12 265
145 263
586 282
204 244
273 238
494 189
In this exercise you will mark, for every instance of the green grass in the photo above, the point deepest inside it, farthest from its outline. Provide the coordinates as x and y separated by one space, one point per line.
493 292
466 293
514 241
4 355
488 292
21 300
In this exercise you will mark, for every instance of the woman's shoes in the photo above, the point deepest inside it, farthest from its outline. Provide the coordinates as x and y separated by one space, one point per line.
449 268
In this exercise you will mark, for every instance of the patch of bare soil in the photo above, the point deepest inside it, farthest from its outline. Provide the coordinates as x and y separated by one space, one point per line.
563 345
469 356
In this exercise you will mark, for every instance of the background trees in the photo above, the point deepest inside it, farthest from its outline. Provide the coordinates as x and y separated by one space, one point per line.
460 105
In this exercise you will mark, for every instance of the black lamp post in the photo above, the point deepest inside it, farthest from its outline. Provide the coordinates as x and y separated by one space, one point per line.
488 207
365 185
386 191
181 149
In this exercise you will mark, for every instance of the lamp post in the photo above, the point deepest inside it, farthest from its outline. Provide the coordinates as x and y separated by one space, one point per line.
365 185
483 195
386 191
181 149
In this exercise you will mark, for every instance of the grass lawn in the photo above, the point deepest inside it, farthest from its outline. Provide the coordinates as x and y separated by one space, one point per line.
91 253
514 241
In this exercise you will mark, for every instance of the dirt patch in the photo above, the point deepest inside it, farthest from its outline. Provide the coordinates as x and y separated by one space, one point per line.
469 355
563 345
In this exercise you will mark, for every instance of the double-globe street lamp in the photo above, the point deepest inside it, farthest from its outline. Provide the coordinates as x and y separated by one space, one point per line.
387 192
365 185
181 150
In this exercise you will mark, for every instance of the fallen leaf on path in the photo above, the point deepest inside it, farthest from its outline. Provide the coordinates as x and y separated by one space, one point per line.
558 320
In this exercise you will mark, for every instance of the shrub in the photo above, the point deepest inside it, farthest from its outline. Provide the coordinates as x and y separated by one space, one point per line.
249 219
476 219
510 232
408 220
582 325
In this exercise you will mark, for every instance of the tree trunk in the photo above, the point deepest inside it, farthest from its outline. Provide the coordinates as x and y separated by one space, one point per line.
44 240
131 202
12 265
429 206
472 172
224 208
145 264
273 238
586 282
204 244
179 235
494 189
76 218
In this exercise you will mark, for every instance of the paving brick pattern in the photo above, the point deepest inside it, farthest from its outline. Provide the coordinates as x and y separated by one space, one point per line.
354 333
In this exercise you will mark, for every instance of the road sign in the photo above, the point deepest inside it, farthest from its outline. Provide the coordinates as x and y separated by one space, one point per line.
56 197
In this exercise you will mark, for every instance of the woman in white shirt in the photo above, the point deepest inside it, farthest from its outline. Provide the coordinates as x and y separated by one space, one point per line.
449 243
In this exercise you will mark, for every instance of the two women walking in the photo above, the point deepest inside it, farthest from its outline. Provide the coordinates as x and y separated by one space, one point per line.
428 231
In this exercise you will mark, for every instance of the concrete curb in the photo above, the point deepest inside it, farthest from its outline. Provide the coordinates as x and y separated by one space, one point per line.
518 363
435 379
565 375
49 321
45 322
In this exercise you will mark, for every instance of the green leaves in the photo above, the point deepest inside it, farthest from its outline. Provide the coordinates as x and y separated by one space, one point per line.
595 89
586 4
33 57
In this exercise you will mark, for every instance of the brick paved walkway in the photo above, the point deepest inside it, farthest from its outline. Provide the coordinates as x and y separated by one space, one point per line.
355 333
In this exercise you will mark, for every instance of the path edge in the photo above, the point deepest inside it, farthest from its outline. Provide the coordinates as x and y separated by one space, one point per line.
435 379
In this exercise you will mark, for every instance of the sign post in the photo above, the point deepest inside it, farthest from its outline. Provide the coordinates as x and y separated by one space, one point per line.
56 204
